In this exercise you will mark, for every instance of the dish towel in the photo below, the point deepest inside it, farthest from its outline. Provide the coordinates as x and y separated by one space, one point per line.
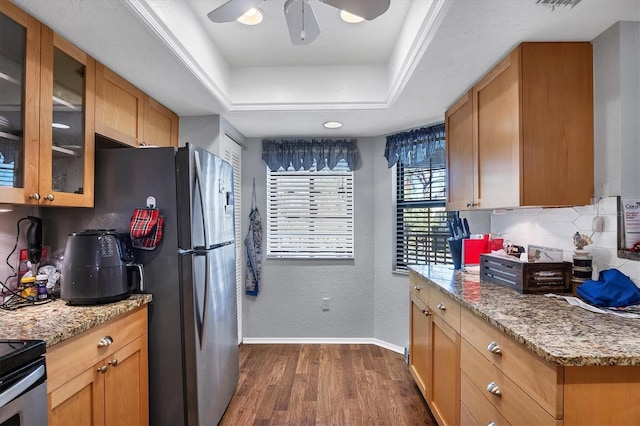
253 249
613 289
145 228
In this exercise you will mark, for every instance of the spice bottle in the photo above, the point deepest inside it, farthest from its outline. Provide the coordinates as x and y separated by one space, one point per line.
41 283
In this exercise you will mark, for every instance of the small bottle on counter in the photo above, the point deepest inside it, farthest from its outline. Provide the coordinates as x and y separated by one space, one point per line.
29 290
41 283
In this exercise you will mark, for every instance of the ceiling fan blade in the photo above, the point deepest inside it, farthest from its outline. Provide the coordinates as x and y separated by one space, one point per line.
302 24
232 10
367 9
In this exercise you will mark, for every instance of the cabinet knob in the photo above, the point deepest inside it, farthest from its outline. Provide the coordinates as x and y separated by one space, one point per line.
416 287
34 196
426 312
491 424
493 389
105 341
441 306
494 348
114 362
469 204
103 369
50 197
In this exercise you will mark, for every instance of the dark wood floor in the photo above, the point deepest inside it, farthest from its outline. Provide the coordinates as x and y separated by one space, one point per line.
325 385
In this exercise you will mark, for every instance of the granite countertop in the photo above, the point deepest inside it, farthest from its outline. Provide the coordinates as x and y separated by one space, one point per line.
56 321
553 329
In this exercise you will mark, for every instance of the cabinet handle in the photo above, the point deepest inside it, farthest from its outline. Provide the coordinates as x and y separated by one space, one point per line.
469 204
34 196
493 388
50 197
416 287
105 341
441 306
103 369
114 362
491 424
426 312
494 348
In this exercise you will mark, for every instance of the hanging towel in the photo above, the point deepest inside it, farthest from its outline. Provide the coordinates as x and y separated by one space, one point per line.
613 289
145 228
253 249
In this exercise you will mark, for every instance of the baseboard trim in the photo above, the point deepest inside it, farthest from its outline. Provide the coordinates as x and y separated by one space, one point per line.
321 340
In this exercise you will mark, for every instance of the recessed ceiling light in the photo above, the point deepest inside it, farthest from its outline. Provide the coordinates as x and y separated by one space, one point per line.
332 125
59 126
252 17
350 17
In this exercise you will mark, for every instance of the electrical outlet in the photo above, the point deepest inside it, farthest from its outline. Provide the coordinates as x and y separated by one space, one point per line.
325 303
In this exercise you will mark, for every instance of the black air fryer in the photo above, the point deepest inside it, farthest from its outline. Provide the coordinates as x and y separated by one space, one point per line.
95 266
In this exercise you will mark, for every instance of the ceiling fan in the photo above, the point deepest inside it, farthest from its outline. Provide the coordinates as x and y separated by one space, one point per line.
302 24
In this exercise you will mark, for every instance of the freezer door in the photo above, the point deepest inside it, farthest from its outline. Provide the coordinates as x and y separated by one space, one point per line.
211 336
205 199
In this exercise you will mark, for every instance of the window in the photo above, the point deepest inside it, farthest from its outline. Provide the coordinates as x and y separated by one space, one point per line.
310 213
421 219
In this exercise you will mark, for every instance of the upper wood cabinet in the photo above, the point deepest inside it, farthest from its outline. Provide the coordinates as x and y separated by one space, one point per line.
46 123
531 131
119 107
160 124
124 113
460 170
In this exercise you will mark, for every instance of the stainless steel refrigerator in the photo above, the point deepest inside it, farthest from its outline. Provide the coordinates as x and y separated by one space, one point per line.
193 343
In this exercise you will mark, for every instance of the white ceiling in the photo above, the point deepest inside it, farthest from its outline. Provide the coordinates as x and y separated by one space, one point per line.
399 71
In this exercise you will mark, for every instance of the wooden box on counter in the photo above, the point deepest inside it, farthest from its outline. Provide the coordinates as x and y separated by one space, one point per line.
525 277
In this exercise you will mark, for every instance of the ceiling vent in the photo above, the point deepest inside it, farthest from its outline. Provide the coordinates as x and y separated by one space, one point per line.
556 3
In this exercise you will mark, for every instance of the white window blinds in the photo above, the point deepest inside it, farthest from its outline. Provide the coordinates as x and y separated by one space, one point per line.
310 213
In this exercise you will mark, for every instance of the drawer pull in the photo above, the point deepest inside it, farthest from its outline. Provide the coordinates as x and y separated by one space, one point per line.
426 312
494 348
416 287
114 362
103 369
493 388
105 341
441 306
491 424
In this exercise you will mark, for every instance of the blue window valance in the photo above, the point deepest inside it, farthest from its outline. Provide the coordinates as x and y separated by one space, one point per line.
301 153
417 147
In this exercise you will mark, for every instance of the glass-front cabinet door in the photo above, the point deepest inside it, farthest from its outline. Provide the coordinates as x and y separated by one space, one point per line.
66 123
19 104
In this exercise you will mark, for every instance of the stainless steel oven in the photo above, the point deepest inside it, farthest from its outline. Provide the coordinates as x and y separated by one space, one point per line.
23 383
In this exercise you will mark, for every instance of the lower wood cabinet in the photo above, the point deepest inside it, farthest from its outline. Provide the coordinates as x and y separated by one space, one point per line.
434 357
472 373
100 377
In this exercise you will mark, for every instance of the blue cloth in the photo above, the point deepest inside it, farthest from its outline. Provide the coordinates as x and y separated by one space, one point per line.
613 289
301 153
417 148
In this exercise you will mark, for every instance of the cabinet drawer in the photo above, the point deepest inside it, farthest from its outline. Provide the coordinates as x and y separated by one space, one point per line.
479 408
445 307
538 378
512 402
418 287
71 357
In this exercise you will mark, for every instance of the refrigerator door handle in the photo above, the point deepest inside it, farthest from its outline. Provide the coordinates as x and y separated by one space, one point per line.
201 314
196 155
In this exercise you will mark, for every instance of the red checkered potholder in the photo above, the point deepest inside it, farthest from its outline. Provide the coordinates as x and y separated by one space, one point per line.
145 228
142 222
150 241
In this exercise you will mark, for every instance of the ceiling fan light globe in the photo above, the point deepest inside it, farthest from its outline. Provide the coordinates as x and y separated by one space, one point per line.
350 17
252 17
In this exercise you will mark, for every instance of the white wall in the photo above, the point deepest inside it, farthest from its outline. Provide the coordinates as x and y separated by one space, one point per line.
289 302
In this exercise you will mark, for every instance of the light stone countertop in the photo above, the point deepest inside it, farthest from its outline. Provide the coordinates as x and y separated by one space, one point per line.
553 329
56 321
